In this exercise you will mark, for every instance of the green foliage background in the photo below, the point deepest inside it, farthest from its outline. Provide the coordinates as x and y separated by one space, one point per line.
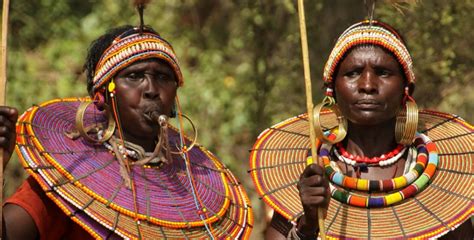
241 59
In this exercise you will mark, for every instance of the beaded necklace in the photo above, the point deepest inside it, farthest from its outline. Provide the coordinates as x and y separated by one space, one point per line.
123 150
384 160
418 178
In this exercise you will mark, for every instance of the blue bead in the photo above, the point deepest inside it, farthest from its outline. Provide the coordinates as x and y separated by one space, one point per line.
376 202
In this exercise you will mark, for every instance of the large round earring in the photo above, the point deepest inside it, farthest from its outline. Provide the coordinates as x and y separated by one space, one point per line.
193 143
407 124
329 135
83 131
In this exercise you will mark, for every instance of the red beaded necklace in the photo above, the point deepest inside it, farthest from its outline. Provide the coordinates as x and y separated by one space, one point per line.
367 160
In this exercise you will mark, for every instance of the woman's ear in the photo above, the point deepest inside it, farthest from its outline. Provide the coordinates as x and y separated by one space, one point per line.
99 100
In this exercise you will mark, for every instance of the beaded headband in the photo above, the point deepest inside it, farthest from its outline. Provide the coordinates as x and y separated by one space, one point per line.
127 50
362 33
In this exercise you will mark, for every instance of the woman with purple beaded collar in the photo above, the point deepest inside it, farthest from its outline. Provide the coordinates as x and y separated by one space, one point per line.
112 165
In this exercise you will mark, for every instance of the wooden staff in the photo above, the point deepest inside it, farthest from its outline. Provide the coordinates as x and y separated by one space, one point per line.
3 81
309 102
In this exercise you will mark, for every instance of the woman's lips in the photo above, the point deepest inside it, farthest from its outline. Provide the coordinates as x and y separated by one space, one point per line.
151 113
148 116
367 104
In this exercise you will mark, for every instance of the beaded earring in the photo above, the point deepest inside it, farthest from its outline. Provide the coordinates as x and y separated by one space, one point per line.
111 88
407 121
114 108
336 134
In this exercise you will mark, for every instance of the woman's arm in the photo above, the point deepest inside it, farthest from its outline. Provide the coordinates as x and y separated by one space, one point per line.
18 224
314 193
278 228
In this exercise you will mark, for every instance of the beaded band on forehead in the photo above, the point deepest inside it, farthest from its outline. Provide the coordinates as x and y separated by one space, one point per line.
377 34
127 50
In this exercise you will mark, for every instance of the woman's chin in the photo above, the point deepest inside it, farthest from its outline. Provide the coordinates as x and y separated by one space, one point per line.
369 118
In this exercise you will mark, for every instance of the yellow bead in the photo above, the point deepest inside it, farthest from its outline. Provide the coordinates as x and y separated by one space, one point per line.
393 198
362 184
400 182
111 86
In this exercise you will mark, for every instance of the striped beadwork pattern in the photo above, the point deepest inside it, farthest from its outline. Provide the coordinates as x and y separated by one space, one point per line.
125 51
427 160
375 34
84 181
412 182
278 157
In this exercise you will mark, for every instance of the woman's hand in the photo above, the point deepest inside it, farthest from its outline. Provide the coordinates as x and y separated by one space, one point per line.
8 118
314 193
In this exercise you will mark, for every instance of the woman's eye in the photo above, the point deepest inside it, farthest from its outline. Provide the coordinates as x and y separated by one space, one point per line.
352 74
135 76
383 72
163 77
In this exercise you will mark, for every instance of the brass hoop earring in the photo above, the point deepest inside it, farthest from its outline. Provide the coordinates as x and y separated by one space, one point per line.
340 131
193 143
407 124
82 131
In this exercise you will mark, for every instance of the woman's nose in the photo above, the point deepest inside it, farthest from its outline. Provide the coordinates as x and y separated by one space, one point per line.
152 88
368 82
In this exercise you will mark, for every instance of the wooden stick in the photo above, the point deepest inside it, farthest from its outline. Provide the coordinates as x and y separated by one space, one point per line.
3 67
309 101
3 81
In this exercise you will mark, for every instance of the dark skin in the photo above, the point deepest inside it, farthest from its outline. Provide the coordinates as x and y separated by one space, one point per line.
141 88
369 87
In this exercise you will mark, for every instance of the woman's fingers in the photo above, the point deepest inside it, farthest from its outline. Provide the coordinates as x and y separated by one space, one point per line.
313 188
8 118
312 169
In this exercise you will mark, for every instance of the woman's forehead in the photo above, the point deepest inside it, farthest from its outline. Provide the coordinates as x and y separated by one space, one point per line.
370 47
360 54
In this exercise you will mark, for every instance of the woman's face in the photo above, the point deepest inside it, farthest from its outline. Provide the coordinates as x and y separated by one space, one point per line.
369 86
143 88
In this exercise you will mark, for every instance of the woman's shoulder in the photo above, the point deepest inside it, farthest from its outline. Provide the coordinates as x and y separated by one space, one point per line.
31 199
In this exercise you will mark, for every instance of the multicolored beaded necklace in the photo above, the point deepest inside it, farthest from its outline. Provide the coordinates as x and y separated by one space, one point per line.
412 182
